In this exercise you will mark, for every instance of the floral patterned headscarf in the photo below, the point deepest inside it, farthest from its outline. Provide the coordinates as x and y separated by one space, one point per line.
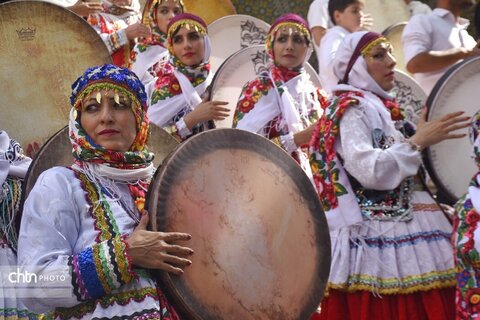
121 80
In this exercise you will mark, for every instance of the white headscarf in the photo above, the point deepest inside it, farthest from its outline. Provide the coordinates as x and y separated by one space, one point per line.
359 76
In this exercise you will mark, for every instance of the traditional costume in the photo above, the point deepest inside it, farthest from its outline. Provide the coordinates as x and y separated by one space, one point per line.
281 101
150 52
78 218
13 168
179 88
111 24
391 252
466 240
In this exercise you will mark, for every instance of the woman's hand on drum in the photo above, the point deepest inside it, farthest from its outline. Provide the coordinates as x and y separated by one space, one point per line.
205 111
137 30
153 250
432 132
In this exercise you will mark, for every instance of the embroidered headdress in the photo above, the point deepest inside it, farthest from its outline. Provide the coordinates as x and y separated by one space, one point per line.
121 80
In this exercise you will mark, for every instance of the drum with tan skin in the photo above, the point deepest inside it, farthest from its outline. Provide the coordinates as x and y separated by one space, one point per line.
260 237
43 49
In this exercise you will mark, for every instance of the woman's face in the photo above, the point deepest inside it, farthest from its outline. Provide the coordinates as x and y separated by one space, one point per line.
380 65
110 124
289 48
188 46
166 10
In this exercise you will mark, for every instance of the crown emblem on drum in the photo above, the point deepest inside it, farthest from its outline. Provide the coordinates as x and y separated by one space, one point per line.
26 34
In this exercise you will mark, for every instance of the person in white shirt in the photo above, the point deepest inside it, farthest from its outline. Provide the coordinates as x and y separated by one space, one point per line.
319 21
417 7
347 17
434 42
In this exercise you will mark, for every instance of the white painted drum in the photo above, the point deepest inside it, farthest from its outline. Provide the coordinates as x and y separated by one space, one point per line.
449 162
232 33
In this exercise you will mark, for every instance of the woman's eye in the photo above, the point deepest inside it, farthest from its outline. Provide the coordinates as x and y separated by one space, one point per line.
194 36
299 39
163 11
282 39
177 11
177 39
90 107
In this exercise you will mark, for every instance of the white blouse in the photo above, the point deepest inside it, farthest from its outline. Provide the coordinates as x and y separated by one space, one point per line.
57 225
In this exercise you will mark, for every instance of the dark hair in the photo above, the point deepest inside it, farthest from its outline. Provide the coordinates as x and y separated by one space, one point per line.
339 5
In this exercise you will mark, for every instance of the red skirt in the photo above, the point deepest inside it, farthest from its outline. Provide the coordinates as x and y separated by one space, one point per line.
363 305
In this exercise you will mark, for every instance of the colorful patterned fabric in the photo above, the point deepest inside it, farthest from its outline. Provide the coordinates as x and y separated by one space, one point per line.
100 269
167 85
111 28
323 158
466 239
467 258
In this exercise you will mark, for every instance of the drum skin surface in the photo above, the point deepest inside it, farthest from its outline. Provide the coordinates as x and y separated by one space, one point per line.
450 162
241 67
260 237
44 48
